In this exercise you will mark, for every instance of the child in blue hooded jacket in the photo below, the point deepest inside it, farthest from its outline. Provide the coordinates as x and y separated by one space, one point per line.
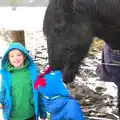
18 98
57 98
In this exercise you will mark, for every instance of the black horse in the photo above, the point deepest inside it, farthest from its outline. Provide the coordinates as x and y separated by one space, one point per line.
70 25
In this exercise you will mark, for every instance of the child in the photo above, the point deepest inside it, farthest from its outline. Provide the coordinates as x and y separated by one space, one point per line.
18 98
57 99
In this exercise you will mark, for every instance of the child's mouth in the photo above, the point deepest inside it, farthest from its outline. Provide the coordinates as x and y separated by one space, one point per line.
16 62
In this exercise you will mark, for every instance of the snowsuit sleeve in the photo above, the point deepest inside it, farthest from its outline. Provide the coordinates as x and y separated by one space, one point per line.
42 109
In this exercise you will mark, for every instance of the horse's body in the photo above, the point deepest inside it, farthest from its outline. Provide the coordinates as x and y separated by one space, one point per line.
70 26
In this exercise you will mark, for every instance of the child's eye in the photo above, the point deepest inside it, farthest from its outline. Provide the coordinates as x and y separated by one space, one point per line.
12 56
19 55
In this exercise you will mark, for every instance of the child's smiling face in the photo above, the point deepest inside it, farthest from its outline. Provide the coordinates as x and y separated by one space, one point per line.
16 58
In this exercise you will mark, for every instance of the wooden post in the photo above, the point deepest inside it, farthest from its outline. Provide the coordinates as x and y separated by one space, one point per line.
18 36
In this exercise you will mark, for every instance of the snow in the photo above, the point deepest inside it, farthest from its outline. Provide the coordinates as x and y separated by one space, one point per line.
22 18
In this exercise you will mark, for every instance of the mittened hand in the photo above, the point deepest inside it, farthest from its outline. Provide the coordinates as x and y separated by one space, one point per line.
40 81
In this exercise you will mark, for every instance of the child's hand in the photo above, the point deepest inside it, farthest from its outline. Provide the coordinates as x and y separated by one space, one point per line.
1 106
40 81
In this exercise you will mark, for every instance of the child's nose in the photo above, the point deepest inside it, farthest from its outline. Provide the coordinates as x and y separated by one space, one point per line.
16 58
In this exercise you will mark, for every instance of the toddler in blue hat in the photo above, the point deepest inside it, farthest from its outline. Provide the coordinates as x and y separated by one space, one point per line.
57 98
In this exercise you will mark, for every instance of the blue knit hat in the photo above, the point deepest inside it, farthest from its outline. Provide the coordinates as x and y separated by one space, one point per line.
53 84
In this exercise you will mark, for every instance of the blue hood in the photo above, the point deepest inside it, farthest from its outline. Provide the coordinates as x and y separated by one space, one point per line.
15 46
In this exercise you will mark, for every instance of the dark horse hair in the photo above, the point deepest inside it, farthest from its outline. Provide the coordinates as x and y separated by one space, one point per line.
69 27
